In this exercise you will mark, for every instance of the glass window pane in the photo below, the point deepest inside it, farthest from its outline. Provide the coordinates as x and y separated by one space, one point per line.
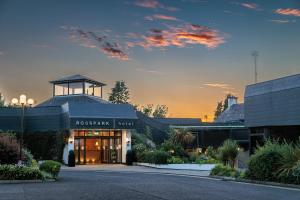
97 91
61 89
89 88
76 88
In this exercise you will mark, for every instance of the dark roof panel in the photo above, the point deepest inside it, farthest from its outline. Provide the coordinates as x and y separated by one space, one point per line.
232 114
76 78
60 100
179 121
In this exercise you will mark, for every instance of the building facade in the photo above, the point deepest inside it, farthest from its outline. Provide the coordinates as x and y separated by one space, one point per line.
99 131
272 109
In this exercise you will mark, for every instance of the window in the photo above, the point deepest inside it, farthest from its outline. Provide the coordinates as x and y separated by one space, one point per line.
97 91
89 88
76 88
61 89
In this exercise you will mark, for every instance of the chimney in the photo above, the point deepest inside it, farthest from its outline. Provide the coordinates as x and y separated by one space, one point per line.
231 101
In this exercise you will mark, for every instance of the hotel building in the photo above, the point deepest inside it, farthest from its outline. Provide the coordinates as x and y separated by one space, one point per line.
98 131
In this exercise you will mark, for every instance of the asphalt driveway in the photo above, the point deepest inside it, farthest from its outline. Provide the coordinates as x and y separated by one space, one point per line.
121 184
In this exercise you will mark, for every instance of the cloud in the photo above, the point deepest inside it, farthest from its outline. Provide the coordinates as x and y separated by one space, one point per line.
182 36
149 71
280 21
219 85
288 11
42 46
163 17
1 53
114 51
154 4
90 39
251 6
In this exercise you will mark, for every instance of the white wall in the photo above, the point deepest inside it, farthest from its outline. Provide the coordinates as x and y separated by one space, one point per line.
68 147
126 143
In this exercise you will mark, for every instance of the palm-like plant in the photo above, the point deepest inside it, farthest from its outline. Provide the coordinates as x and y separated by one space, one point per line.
228 152
182 137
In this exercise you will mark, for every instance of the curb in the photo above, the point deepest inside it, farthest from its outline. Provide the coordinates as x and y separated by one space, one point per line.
223 178
25 181
154 166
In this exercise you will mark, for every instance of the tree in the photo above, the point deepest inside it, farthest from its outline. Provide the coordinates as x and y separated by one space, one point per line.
219 109
147 110
160 111
182 137
120 93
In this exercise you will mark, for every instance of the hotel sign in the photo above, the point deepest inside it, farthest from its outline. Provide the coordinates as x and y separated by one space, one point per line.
94 123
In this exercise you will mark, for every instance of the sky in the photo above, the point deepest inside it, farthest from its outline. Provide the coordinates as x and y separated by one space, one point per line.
186 54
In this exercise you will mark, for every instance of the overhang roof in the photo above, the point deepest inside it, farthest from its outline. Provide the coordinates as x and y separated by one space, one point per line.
76 78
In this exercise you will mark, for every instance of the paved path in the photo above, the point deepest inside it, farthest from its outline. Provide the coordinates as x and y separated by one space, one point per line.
126 183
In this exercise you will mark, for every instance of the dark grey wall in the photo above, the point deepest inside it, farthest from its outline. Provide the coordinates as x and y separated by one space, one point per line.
275 108
36 119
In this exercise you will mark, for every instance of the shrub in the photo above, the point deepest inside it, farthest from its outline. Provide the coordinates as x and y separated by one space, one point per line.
28 158
130 157
193 156
211 152
15 172
139 149
263 165
221 170
9 149
71 159
173 149
175 160
156 157
206 160
228 152
51 167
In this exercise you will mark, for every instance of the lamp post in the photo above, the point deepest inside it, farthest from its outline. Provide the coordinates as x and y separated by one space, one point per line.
23 102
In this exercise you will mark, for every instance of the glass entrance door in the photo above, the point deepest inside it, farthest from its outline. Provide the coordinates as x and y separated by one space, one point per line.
105 154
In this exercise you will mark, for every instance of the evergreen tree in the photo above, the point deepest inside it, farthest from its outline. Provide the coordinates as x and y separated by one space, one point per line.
160 111
219 109
225 105
147 110
120 93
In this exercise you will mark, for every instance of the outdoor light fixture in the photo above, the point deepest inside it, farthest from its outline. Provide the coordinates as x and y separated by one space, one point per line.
23 102
14 101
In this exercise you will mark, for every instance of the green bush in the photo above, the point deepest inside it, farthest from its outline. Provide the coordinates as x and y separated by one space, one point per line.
51 167
228 152
175 160
193 156
155 157
173 149
130 157
211 152
202 159
221 170
263 165
139 149
15 172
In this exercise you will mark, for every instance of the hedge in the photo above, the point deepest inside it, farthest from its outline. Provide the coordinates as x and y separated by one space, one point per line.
51 167
15 172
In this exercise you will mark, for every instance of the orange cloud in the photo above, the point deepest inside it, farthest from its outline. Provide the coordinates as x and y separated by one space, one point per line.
288 11
252 6
181 37
219 85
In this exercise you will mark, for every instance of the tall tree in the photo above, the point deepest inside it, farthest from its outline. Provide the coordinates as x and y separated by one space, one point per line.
219 109
120 93
147 110
160 111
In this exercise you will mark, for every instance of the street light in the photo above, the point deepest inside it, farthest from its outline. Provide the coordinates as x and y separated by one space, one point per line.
23 102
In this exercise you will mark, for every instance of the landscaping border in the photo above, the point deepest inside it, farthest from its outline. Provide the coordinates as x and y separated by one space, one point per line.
224 178
205 167
25 181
